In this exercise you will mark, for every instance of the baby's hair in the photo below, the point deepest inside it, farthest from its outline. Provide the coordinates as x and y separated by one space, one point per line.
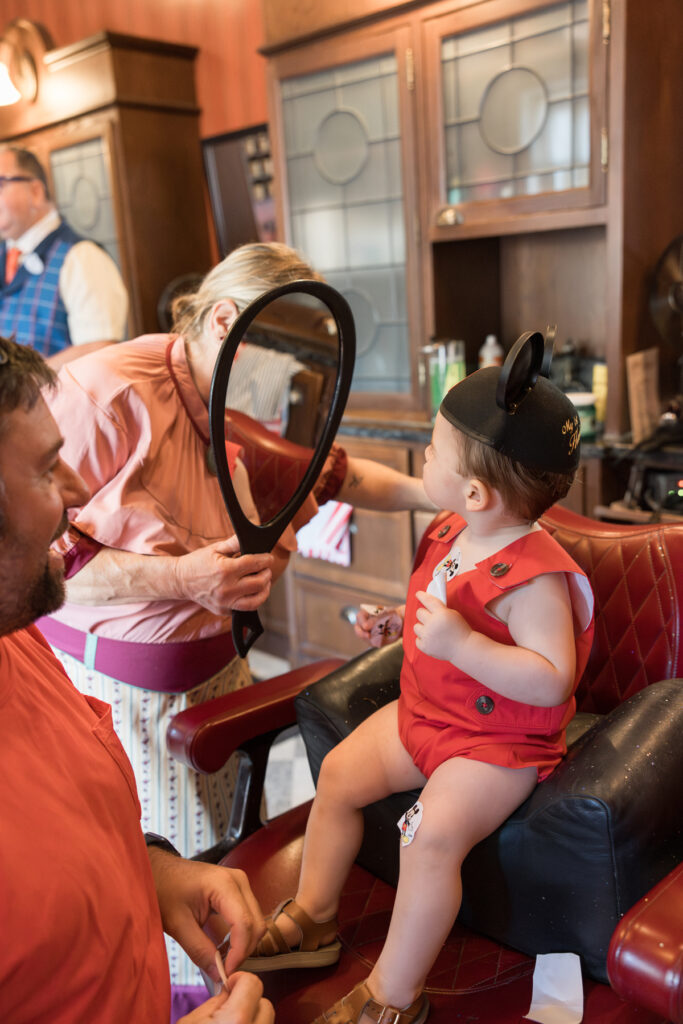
244 275
526 492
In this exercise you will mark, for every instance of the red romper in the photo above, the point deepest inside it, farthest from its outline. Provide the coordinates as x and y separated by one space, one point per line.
444 713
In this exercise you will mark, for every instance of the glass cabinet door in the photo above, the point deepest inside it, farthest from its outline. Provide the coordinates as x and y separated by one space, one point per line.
84 192
348 202
519 101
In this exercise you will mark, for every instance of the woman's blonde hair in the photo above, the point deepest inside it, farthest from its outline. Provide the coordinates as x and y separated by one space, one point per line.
247 272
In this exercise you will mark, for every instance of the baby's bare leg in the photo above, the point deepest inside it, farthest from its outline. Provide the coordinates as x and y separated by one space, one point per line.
368 765
463 802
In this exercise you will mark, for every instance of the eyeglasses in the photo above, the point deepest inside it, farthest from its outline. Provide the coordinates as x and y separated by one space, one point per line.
5 179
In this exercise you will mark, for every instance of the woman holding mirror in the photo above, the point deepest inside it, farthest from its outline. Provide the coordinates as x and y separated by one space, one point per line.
154 565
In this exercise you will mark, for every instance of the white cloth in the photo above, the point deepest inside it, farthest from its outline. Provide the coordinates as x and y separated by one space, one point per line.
259 384
557 996
327 535
90 284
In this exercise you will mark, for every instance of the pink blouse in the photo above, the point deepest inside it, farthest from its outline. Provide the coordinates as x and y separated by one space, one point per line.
137 431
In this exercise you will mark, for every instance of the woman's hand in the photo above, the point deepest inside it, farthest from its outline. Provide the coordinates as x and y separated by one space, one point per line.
190 892
379 626
221 580
242 1003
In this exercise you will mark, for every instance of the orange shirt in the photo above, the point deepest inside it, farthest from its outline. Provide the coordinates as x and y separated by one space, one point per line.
81 930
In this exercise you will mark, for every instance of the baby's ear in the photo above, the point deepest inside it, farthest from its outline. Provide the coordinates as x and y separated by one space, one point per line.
478 495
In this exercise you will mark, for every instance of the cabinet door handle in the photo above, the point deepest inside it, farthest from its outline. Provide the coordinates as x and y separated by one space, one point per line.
349 614
448 216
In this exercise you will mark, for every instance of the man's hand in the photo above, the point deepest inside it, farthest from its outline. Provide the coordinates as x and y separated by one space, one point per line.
241 1004
439 630
221 580
189 892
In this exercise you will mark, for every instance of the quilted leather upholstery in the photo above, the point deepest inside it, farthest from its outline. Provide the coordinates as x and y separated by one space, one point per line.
637 577
275 466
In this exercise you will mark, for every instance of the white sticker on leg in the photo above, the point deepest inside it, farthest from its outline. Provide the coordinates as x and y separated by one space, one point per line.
409 823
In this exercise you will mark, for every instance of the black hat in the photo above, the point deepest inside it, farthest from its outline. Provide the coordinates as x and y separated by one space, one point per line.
516 411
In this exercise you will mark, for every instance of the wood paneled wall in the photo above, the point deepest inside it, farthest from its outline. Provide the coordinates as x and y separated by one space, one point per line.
230 74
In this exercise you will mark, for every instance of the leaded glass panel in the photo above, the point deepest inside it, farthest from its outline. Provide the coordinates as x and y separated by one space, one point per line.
515 99
345 190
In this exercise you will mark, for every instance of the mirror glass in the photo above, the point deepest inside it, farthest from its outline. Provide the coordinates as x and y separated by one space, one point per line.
279 390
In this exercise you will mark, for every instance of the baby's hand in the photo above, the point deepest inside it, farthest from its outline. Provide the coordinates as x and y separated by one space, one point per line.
439 629
378 626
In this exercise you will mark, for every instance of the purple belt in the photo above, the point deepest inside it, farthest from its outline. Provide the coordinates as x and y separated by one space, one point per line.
166 667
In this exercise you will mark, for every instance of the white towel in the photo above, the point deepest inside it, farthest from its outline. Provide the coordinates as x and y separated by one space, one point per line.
259 384
327 534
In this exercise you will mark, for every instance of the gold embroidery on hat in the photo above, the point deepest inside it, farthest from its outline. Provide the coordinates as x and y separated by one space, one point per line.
573 428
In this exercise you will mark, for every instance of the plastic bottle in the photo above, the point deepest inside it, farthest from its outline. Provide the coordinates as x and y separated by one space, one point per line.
456 364
490 353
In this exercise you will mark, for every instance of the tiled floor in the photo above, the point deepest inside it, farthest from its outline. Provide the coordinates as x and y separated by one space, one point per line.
288 778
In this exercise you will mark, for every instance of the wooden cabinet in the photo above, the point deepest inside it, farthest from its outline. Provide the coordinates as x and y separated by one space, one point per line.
566 229
552 209
116 125
311 610
515 107
344 137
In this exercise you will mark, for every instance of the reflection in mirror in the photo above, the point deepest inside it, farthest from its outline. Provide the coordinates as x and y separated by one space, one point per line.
280 386
314 328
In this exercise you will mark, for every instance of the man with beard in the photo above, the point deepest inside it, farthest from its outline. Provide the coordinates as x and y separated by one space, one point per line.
83 897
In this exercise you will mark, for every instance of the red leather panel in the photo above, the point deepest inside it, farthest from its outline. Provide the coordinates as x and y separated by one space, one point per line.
474 979
275 466
205 736
645 958
637 577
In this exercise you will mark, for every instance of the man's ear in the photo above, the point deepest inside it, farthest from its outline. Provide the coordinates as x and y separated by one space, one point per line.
478 495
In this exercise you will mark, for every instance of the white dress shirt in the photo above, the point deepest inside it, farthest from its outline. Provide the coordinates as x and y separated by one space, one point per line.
90 284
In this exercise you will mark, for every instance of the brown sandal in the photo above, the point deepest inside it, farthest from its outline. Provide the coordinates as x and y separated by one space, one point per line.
350 1008
318 946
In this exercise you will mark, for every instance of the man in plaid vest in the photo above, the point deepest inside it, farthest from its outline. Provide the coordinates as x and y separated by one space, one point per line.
59 293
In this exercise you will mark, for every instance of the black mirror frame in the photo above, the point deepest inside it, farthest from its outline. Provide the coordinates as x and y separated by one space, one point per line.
255 538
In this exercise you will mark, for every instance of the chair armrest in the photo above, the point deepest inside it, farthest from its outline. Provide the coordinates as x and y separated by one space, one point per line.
205 736
645 957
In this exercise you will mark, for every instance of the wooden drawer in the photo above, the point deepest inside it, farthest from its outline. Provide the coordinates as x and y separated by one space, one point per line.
322 618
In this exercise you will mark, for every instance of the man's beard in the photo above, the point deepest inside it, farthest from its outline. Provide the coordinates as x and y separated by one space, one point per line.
46 595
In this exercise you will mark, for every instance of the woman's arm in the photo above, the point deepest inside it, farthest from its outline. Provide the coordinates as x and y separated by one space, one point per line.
216 577
370 484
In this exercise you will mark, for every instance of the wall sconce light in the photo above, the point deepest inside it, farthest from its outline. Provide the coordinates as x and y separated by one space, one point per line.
23 45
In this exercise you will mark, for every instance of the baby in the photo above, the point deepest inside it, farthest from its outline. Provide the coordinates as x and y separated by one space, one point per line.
497 632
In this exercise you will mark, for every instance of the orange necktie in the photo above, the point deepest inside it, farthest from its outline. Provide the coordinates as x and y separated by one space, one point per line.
11 263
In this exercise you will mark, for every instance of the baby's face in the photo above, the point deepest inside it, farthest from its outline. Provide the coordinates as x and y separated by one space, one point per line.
443 482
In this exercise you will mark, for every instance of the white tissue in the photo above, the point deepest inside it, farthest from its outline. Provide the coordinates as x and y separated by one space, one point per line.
557 996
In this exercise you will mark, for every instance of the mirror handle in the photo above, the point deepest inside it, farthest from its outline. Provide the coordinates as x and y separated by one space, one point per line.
246 629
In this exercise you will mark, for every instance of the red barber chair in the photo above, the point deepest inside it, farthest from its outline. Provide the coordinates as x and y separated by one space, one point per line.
590 863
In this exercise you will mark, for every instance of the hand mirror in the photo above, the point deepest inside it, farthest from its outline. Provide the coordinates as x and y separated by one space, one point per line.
284 373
